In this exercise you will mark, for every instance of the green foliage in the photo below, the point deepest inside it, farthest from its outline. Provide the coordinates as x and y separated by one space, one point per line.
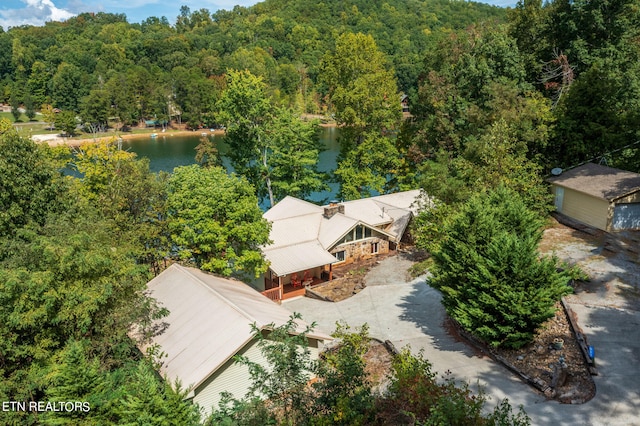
95 109
272 147
415 391
244 110
5 126
599 114
29 107
282 41
70 291
149 400
585 54
492 278
125 191
15 109
283 379
59 285
477 125
207 154
417 396
30 188
341 393
48 114
66 122
281 393
365 170
215 221
430 225
362 90
131 394
292 154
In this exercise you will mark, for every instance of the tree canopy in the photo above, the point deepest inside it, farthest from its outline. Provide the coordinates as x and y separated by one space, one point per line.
215 221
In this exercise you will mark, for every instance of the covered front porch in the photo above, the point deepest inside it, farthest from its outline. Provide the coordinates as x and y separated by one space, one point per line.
281 287
293 268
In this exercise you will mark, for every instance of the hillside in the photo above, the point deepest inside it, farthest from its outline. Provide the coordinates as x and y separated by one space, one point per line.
69 64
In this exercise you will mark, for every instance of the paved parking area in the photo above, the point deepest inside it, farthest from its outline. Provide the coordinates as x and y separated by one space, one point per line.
410 313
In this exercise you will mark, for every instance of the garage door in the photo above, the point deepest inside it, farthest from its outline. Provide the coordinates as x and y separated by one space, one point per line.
626 216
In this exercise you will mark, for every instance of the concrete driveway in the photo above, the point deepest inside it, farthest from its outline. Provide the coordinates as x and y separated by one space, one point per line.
410 313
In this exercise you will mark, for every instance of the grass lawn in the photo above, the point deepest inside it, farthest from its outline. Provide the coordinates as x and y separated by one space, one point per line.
9 116
28 128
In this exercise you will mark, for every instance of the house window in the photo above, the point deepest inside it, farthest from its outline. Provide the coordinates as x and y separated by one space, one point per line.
348 237
339 256
374 248
359 232
367 232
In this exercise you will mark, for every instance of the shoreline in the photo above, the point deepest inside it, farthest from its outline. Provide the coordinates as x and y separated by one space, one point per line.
56 140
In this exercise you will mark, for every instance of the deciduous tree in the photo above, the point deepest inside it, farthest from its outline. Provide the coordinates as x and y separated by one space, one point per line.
215 221
31 187
272 147
362 88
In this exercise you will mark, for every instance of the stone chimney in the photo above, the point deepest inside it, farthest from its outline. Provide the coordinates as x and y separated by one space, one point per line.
332 209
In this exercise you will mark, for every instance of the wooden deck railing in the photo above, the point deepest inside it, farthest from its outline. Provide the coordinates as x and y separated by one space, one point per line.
273 294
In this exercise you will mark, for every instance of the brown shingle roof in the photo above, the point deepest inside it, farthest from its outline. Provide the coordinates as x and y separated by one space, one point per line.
599 181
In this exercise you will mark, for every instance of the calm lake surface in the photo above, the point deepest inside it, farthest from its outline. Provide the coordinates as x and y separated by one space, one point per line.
166 152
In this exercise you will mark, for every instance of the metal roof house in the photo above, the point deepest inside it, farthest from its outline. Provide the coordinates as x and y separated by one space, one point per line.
209 323
308 239
599 196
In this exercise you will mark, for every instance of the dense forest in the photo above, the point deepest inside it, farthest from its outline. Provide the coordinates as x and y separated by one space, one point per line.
93 61
497 99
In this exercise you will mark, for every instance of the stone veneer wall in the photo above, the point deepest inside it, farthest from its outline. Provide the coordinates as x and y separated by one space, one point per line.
361 249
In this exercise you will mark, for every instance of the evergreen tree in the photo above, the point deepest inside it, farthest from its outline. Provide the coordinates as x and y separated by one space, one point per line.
492 278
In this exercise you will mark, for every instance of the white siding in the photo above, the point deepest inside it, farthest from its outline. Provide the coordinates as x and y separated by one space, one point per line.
234 378
231 377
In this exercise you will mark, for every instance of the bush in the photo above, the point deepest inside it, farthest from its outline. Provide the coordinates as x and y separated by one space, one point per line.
415 396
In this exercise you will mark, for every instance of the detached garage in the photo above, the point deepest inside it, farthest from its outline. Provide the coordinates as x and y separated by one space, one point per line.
600 196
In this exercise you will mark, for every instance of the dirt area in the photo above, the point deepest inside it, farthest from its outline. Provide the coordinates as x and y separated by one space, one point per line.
539 359
378 364
347 280
612 262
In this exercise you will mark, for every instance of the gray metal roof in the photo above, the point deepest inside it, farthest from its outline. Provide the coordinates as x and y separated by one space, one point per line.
209 322
295 222
331 230
291 207
298 257
599 181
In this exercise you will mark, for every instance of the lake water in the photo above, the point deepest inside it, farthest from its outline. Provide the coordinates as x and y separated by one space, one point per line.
166 152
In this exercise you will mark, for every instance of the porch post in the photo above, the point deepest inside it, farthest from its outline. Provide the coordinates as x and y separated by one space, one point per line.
280 287
330 271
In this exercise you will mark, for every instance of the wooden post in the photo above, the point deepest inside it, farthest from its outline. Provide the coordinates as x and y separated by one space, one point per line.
330 271
281 287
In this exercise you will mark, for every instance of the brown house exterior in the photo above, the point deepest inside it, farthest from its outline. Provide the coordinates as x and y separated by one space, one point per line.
599 196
